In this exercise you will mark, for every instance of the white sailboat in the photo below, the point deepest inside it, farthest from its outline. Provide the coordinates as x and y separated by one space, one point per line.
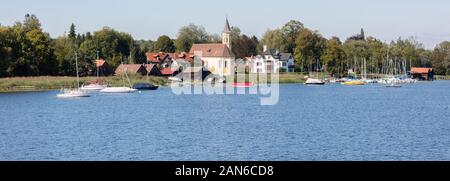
95 86
123 89
315 81
70 93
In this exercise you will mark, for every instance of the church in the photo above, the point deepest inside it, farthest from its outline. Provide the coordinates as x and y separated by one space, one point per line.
217 57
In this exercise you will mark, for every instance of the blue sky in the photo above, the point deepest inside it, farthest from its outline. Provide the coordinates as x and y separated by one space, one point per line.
428 21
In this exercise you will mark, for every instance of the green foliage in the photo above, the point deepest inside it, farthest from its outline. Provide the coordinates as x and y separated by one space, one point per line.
274 39
310 46
290 31
334 57
244 46
441 58
72 32
164 44
189 35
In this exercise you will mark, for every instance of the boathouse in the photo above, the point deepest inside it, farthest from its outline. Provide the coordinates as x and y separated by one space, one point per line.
420 73
131 69
167 72
152 69
103 68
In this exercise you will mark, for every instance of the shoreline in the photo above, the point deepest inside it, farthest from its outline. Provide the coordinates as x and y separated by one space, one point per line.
51 83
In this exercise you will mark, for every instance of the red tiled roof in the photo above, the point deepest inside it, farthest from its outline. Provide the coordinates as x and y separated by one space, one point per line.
212 50
420 70
182 55
157 57
130 68
167 71
100 62
149 67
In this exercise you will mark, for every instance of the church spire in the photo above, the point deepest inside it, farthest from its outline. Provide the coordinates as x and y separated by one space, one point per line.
227 28
226 34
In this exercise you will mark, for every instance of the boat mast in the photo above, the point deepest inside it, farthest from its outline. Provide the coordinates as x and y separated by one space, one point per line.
97 65
76 67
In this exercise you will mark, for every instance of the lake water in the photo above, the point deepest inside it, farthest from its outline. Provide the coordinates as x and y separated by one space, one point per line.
331 122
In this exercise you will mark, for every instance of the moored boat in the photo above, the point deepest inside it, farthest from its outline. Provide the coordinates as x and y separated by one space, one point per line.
311 81
355 82
145 86
72 93
242 84
118 90
93 87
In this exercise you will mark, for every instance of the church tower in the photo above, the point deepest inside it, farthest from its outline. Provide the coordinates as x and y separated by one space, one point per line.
226 35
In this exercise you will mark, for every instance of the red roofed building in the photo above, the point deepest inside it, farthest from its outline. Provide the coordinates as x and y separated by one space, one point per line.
161 58
152 69
167 72
131 69
102 67
216 57
422 73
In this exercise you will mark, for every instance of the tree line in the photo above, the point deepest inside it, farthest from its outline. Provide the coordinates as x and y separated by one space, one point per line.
26 50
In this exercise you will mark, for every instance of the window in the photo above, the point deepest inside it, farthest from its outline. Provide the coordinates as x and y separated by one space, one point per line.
258 64
226 63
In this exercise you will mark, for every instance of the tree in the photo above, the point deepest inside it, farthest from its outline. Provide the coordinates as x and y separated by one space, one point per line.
290 31
72 32
441 58
310 46
189 35
31 22
360 36
244 46
334 57
274 39
112 45
164 44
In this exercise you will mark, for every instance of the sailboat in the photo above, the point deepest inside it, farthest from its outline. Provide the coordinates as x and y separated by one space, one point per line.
144 85
315 81
70 93
123 89
95 86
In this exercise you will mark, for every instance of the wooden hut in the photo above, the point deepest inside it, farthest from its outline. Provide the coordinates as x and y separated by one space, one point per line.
132 69
421 73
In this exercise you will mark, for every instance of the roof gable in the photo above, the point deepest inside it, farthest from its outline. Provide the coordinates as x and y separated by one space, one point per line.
129 68
421 70
212 50
157 57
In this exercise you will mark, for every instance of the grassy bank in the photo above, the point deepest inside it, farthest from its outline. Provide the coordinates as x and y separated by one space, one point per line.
51 83
442 77
18 84
284 78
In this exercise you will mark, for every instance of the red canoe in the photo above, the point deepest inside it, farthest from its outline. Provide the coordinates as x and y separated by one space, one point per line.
242 84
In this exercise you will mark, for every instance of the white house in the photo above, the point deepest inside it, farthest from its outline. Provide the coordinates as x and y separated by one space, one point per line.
216 57
271 61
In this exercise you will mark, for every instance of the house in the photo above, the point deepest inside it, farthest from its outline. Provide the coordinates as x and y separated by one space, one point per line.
102 68
131 69
161 58
195 73
216 57
271 61
287 62
422 73
167 72
152 69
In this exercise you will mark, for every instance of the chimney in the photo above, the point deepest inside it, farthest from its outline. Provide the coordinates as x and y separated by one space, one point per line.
264 48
